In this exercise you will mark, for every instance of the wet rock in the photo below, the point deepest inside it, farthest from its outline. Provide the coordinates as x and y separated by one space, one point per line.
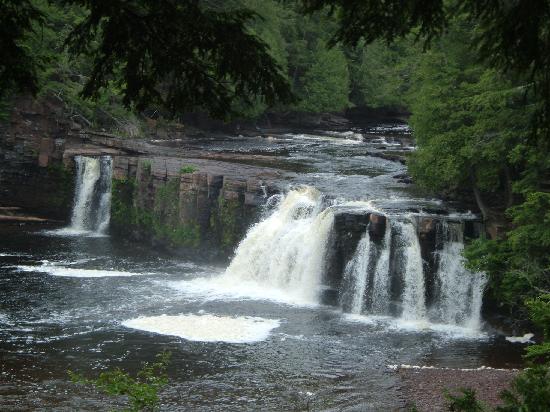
377 226
349 227
427 237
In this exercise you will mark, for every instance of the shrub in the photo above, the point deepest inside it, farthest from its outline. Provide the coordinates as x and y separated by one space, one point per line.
186 169
465 402
142 390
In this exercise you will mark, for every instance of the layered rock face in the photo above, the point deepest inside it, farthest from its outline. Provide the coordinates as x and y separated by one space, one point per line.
197 206
190 205
32 173
190 202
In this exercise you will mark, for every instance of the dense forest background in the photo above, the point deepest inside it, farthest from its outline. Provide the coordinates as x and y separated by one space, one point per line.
477 127
323 79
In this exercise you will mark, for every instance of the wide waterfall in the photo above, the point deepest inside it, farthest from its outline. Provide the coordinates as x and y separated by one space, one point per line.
286 251
458 293
92 201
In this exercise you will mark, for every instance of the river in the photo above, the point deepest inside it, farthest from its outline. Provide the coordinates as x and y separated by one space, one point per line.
253 335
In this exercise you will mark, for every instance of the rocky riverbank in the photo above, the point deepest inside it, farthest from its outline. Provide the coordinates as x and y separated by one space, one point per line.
425 388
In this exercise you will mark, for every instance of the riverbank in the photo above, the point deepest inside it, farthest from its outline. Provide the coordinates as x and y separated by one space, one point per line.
425 388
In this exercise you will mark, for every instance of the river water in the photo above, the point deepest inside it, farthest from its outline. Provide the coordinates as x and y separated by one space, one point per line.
252 336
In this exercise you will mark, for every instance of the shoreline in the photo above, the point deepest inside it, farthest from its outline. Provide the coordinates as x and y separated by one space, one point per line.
424 387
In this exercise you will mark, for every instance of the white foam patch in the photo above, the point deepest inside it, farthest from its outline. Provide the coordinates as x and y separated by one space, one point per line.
451 331
69 232
220 288
207 328
355 139
367 320
76 273
3 254
527 338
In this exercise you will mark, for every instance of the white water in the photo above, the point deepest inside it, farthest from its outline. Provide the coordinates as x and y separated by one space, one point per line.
54 270
414 300
207 328
356 273
459 293
286 251
92 202
381 282
460 290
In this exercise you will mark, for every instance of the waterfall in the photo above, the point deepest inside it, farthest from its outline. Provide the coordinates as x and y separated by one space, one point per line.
381 283
368 277
92 201
414 300
459 290
286 250
356 275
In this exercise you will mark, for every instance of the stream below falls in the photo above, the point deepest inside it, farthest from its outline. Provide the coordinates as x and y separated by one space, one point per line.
254 335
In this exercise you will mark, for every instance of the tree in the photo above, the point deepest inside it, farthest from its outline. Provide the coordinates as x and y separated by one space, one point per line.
176 54
468 119
17 66
326 82
381 74
512 36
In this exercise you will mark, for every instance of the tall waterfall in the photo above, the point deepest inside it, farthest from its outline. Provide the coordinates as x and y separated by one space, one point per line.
414 300
381 283
92 201
356 279
286 251
460 291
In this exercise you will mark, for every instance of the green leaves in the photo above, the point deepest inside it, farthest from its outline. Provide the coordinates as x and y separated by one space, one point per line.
530 391
18 67
177 55
466 402
142 390
326 82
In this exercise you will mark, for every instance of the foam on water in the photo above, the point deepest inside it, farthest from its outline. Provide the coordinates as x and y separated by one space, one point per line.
351 140
207 328
7 254
71 232
62 271
220 288
445 330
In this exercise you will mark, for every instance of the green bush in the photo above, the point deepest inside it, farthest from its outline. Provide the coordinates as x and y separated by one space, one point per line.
147 166
142 390
530 391
186 169
465 402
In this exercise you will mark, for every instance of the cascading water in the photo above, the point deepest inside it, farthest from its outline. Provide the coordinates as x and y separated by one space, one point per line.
414 300
356 276
460 291
286 251
368 277
92 202
284 256
381 282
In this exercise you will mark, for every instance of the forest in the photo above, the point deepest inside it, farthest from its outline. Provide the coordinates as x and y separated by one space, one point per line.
478 112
